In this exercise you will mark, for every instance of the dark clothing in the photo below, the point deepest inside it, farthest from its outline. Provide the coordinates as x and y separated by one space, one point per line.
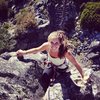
58 75
45 79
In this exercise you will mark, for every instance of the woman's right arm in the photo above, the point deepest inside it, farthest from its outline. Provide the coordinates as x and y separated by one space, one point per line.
43 47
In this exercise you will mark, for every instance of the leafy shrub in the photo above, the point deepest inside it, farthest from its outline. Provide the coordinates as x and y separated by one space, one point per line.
6 25
6 43
25 19
3 38
90 16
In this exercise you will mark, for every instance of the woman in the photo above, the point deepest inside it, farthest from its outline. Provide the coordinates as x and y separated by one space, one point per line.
57 50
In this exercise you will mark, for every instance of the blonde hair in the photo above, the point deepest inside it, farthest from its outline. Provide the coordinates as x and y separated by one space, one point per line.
65 43
57 34
60 35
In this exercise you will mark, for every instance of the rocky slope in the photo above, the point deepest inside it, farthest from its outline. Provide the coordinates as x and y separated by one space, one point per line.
20 80
20 76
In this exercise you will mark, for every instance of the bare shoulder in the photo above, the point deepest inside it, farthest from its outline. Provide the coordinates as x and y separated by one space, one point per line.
45 45
68 53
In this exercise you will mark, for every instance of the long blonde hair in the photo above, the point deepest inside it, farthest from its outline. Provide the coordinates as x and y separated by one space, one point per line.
62 39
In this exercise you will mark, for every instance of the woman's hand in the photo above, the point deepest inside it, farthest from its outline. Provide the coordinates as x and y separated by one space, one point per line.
20 52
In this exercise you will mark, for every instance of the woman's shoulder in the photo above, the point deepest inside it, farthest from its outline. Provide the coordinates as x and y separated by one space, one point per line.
46 45
68 53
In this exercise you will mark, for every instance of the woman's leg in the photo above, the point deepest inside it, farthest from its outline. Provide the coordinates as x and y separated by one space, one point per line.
45 79
73 89
69 89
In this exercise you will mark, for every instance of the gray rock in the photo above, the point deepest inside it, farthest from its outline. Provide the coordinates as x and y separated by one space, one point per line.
19 79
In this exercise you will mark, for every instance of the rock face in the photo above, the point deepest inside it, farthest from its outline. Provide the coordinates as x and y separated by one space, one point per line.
19 77
19 80
62 14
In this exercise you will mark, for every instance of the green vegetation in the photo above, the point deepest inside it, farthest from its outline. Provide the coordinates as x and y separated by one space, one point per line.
6 43
6 25
4 38
90 16
25 19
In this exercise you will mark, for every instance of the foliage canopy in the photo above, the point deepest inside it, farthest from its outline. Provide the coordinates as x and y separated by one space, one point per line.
90 16
25 19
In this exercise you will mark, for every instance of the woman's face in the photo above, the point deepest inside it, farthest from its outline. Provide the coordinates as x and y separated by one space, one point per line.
55 44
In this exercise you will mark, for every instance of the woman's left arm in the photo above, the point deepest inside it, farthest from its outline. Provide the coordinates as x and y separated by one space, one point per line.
71 58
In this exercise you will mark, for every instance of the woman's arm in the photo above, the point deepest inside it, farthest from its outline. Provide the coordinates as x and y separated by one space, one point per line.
74 62
43 47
